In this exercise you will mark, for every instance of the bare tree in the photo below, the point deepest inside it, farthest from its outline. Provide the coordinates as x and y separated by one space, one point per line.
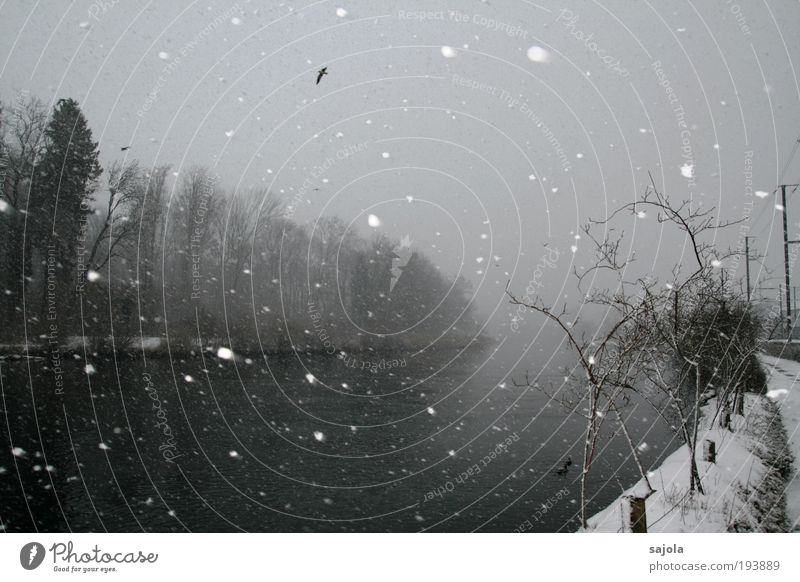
247 215
152 215
191 227
608 363
682 347
117 227
21 144
661 342
22 135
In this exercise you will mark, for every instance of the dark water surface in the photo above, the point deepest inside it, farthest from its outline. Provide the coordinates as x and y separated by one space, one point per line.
445 443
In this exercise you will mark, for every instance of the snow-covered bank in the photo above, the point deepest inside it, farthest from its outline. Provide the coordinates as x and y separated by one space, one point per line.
783 388
744 488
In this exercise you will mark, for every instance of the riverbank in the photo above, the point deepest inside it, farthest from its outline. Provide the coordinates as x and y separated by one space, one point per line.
752 486
784 389
155 346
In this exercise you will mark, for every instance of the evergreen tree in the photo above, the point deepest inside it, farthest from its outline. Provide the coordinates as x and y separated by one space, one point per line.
61 200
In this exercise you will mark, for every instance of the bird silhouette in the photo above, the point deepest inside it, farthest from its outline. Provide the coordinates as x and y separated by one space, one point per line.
125 148
561 471
323 71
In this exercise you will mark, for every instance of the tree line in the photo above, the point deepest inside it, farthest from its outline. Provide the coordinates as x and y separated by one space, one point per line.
117 253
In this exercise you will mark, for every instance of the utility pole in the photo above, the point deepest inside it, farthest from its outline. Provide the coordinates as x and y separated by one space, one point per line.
747 264
786 243
786 264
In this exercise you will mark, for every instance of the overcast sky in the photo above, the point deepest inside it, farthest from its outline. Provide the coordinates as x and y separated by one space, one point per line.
481 131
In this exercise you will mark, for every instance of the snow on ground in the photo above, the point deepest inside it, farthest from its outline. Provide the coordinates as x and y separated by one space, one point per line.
784 389
736 479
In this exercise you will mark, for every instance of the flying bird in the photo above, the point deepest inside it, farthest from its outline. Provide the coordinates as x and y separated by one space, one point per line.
323 71
125 148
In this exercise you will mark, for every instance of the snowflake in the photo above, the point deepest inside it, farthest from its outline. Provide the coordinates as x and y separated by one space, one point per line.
537 54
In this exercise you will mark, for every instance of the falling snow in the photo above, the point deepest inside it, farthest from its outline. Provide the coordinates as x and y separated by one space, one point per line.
537 54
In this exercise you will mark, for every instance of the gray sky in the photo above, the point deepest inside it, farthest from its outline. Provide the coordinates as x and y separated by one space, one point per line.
508 122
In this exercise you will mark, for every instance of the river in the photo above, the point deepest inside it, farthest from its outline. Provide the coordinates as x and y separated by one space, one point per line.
444 441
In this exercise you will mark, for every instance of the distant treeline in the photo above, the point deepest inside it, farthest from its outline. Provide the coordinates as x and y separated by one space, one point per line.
127 251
